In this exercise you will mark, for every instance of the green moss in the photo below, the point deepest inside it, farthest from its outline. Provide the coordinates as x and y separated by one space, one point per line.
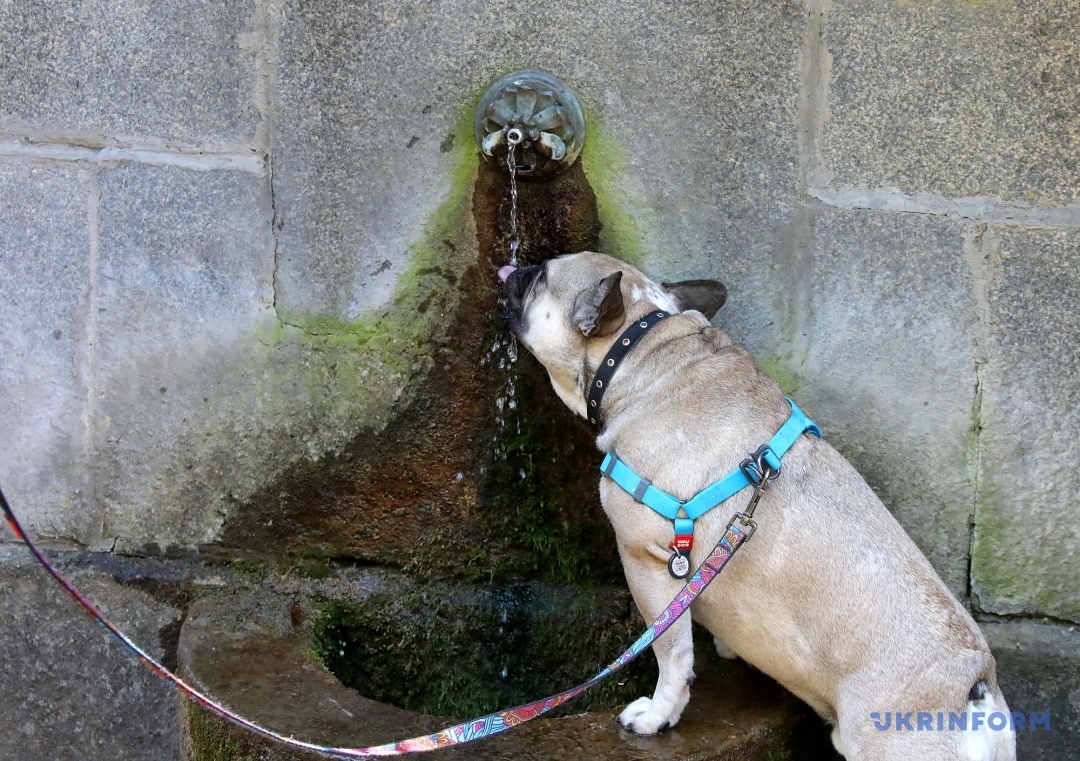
1008 583
776 749
214 739
314 569
306 384
350 373
1001 582
402 331
454 652
248 567
604 161
538 502
779 369
519 498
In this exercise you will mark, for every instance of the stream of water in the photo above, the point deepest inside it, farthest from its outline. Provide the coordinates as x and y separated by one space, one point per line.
504 351
511 165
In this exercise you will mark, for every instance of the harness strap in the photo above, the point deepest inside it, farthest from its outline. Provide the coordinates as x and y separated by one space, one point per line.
670 506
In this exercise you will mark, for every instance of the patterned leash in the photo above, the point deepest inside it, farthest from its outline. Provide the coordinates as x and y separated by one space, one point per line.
467 732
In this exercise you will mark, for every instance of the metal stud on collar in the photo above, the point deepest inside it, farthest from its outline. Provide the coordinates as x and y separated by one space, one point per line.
615 355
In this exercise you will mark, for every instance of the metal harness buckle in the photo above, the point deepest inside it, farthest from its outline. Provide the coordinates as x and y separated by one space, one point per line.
758 466
759 471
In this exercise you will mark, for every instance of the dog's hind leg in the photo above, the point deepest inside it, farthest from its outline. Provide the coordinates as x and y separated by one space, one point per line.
653 588
861 737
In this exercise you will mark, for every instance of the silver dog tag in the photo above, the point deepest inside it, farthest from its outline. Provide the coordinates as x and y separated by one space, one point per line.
678 565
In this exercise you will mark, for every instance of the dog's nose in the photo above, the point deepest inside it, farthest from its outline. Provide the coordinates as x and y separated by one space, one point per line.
516 285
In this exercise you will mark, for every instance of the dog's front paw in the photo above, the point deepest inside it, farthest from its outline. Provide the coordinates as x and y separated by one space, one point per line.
642 717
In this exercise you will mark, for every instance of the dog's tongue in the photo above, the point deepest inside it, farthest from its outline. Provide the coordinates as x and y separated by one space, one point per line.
504 271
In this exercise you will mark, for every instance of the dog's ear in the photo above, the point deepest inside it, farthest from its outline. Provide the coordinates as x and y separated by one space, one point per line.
705 296
599 309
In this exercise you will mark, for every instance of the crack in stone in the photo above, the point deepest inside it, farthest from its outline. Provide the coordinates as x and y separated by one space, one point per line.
265 44
274 222
979 246
90 482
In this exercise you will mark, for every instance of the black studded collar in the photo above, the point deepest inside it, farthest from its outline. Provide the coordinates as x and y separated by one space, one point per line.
612 359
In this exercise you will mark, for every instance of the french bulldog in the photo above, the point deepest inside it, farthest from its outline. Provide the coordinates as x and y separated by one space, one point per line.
830 597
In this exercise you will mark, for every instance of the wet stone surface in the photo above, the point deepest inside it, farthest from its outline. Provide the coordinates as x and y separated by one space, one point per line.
453 650
244 649
482 474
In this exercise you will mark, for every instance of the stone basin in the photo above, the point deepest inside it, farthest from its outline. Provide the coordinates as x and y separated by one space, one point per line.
261 651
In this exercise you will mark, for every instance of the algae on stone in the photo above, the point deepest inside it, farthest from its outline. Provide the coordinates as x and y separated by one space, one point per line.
621 213
453 652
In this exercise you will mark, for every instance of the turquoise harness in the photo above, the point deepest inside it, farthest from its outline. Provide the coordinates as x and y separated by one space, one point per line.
759 467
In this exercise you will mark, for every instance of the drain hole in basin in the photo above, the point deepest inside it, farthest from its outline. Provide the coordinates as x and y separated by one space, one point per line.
464 651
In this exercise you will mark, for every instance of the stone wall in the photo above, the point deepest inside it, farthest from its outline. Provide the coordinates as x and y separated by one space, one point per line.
222 225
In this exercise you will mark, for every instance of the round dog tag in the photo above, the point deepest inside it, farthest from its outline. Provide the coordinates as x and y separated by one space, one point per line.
678 565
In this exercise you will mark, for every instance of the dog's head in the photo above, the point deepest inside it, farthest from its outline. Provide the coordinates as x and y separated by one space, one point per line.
568 311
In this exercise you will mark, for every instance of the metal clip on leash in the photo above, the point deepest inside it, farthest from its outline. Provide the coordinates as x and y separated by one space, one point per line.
760 468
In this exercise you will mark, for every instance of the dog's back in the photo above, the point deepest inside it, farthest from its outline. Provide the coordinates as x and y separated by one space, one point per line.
831 597
851 616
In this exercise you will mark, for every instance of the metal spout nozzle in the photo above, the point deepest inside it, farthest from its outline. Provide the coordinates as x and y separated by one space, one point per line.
537 116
